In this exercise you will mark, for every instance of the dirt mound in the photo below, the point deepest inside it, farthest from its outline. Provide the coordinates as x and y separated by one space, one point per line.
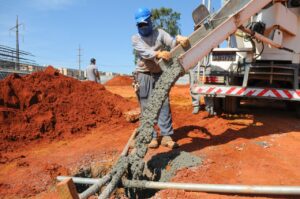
120 81
49 105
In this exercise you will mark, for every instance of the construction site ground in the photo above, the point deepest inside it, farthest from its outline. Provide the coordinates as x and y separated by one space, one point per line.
258 146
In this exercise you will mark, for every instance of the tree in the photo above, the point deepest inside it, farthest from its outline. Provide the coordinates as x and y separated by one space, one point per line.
166 19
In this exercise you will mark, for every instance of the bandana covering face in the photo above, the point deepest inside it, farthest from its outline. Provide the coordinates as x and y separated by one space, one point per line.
146 29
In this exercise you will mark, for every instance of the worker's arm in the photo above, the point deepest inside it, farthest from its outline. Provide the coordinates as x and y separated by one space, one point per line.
147 53
142 49
167 39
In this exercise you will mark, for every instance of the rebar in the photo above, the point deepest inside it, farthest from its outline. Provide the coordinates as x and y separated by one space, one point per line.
78 180
114 175
95 187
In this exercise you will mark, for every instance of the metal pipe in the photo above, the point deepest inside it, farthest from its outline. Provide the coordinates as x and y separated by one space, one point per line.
209 5
216 188
98 183
77 180
260 37
116 178
95 187
126 148
113 183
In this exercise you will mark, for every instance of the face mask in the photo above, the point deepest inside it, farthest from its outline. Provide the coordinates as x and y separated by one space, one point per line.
145 30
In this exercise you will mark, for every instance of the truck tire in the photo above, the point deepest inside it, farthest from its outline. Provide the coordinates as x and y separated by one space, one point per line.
218 105
293 106
213 105
230 105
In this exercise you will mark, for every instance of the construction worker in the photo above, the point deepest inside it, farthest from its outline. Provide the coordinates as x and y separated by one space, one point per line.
148 45
92 72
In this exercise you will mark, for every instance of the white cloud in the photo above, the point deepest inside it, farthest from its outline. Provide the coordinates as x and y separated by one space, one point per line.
51 4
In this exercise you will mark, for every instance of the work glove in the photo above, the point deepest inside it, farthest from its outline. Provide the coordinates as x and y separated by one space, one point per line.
183 41
165 55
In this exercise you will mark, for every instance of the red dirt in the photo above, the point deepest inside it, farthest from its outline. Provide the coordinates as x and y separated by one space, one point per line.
231 147
119 81
48 105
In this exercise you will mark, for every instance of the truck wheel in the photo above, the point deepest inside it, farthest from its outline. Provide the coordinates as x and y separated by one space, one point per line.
290 105
293 106
213 105
230 104
297 108
218 105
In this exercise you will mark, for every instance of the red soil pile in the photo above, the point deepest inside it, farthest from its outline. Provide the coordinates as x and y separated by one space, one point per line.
120 81
47 105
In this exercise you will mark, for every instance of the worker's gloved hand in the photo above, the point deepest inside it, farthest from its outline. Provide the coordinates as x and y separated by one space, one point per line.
165 55
183 41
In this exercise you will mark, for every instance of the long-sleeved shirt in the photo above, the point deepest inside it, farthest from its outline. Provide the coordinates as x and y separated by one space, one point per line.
145 48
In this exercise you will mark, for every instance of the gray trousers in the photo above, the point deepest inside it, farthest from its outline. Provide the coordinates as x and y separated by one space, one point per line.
193 80
147 85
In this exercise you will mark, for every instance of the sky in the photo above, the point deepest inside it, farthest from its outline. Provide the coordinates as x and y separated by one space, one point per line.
52 30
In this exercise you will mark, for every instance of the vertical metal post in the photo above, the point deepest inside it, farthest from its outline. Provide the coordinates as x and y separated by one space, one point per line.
209 6
296 77
246 75
17 62
17 45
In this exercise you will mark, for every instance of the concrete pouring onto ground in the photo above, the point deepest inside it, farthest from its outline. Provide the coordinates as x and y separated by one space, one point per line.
145 130
165 165
160 93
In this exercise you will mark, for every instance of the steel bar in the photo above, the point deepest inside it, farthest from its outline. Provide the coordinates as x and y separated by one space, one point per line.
7 61
13 49
113 183
98 183
12 56
78 180
117 177
95 187
126 148
216 188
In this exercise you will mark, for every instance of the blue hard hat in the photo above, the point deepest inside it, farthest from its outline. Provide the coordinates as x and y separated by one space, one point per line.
142 14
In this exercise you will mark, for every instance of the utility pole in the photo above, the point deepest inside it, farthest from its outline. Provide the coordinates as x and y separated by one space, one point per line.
17 62
79 62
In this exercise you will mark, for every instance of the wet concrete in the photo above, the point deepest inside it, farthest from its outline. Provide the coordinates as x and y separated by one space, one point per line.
165 165
160 93
135 161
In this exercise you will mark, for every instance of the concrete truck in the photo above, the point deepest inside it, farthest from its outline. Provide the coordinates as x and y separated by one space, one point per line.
262 58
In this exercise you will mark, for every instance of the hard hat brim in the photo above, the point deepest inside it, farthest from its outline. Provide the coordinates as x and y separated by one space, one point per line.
142 19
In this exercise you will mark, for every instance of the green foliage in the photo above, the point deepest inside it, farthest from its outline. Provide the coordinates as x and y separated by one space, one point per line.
135 56
166 19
